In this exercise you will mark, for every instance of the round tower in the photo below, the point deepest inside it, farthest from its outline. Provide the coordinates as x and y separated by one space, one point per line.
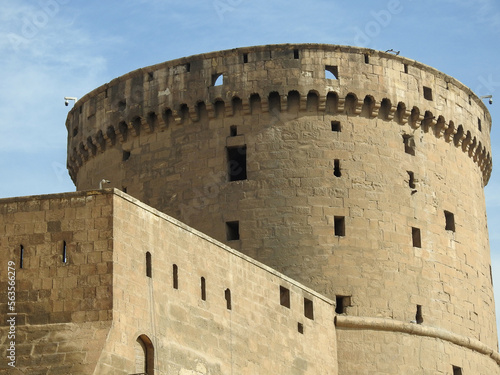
356 172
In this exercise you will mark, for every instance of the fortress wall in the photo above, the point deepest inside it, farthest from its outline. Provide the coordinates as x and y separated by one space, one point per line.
321 154
191 335
64 308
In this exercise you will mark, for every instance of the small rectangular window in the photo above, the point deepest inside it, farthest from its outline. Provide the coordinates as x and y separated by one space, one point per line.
457 370
419 318
339 225
367 58
409 143
245 58
405 68
427 93
411 179
296 54
336 168
479 124
284 297
64 253
233 131
450 221
342 303
336 126
415 234
331 72
148 265
233 230
237 163
308 309
175 276
227 296
300 328
21 256
203 289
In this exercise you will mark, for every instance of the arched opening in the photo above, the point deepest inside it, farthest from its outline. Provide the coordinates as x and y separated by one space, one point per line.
312 101
274 102
255 106
144 355
293 101
332 102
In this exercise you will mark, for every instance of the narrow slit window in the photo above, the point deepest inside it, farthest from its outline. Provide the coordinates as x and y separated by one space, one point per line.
295 54
245 58
336 126
237 163
203 289
175 276
188 67
284 296
339 225
64 253
331 72
336 168
21 256
450 221
148 265
341 304
233 131
233 230
411 179
227 296
300 328
126 155
367 58
479 124
418 316
409 143
416 238
308 309
217 79
457 370
427 93
405 68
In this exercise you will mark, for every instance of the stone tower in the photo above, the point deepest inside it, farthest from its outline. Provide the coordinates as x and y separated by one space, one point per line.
355 172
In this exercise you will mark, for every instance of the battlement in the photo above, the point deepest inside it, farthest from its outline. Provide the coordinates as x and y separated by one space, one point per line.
303 78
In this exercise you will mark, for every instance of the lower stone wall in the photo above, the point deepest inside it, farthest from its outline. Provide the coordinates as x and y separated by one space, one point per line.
385 346
55 349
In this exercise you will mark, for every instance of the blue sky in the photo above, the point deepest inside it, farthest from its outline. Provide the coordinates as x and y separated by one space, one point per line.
55 48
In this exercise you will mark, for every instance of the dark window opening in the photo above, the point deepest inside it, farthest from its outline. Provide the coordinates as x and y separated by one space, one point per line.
126 155
203 289
81 109
237 163
124 189
21 256
457 370
64 253
331 72
308 309
411 179
233 131
300 328
416 238
336 126
151 76
479 124
367 58
450 221
75 131
188 67
427 93
227 296
470 101
418 316
339 225
409 143
284 297
148 265
175 276
336 168
341 304
245 58
217 79
122 104
233 230
405 68
295 53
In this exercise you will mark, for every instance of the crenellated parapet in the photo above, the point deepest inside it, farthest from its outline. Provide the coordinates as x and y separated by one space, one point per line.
304 79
